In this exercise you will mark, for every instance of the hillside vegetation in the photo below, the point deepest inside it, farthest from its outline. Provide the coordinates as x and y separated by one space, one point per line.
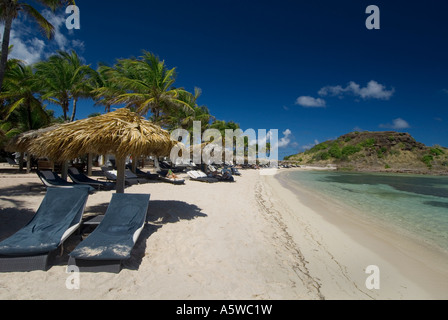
377 151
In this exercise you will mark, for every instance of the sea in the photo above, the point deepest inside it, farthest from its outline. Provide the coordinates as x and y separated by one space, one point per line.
416 205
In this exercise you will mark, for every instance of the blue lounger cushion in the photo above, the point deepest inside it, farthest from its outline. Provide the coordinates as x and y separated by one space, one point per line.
58 216
118 232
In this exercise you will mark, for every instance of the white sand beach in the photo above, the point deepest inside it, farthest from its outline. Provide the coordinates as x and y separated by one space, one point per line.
252 239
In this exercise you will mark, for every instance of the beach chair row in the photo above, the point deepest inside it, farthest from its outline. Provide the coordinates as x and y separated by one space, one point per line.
52 179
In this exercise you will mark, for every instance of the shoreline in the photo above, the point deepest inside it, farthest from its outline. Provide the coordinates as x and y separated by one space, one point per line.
408 263
417 172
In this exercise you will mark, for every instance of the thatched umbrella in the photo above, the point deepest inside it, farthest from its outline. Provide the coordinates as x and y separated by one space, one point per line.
22 142
120 133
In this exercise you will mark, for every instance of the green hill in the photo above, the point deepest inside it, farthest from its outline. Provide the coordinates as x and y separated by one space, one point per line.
376 151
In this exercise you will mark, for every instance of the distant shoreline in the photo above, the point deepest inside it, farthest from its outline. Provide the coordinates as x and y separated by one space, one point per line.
372 170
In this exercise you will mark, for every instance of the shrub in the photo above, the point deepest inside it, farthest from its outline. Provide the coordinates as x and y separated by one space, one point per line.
427 159
436 151
368 143
349 150
322 156
321 146
335 151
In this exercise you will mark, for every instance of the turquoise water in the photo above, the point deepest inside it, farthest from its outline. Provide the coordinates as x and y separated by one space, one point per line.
416 205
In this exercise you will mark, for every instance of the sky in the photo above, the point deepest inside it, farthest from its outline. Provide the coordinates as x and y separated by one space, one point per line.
310 69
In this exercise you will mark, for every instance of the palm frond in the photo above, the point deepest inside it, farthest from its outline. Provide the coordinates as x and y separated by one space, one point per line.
46 27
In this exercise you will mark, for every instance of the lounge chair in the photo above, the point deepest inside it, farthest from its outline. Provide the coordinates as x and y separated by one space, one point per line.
235 171
80 178
112 241
145 175
58 217
165 177
165 165
226 176
197 175
111 175
11 162
129 175
51 180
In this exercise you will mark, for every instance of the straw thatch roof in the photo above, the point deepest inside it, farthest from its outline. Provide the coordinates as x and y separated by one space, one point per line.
21 142
121 133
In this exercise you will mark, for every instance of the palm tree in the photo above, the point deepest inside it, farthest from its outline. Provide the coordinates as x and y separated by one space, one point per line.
10 10
7 131
19 91
64 78
148 86
104 88
180 118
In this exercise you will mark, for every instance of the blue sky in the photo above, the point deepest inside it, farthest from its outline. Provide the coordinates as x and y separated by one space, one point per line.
310 69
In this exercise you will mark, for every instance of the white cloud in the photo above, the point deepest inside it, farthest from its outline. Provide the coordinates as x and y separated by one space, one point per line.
373 90
78 44
58 22
310 102
30 46
29 51
309 146
284 142
397 124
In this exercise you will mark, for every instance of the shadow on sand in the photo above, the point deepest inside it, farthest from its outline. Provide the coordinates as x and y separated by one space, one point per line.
159 213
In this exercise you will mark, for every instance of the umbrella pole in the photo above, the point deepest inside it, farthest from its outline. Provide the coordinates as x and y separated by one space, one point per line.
121 167
64 174
134 164
89 164
28 163
156 164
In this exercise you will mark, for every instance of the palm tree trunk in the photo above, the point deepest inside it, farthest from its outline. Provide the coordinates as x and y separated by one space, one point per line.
29 115
65 106
5 49
75 101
